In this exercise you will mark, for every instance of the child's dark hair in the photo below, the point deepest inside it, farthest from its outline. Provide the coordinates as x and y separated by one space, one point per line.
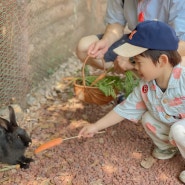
173 56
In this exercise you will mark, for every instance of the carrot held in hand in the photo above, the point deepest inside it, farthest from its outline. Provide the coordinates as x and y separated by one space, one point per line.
48 144
52 143
55 142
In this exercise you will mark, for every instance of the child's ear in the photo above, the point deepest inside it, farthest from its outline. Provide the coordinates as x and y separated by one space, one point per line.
163 60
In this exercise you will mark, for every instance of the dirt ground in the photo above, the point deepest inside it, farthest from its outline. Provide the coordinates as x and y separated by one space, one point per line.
110 158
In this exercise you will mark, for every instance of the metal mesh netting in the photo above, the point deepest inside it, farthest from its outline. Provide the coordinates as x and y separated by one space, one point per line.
29 46
36 36
14 68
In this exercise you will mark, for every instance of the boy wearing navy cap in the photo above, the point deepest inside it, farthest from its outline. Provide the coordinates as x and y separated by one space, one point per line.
159 99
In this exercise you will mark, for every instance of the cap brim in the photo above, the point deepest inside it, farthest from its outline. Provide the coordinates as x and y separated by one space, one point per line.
128 50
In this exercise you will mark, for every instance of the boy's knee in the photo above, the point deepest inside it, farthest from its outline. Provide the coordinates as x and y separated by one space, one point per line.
177 129
177 132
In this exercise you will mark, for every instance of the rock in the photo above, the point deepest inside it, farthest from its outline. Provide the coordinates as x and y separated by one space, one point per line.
148 162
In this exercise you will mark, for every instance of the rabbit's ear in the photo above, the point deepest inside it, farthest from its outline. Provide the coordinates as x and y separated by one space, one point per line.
5 124
12 116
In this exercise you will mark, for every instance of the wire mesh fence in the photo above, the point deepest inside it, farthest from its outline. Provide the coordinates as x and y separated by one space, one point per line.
36 36
14 67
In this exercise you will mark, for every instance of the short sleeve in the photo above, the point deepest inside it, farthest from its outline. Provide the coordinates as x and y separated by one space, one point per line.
114 12
133 107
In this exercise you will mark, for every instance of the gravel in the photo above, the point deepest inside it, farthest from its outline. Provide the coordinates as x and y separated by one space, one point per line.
110 158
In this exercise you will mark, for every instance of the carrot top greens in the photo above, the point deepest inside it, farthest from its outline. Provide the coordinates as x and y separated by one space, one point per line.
110 85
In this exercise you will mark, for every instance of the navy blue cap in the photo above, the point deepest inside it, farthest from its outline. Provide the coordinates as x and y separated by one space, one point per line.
154 35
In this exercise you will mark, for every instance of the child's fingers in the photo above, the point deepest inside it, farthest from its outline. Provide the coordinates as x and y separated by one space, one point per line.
82 132
85 133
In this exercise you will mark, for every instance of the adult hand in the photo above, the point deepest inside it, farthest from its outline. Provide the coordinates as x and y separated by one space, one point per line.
88 131
122 64
98 49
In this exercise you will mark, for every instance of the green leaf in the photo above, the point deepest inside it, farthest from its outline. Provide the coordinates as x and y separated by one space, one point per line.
111 85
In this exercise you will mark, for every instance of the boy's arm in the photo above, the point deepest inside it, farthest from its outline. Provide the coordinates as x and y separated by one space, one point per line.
108 120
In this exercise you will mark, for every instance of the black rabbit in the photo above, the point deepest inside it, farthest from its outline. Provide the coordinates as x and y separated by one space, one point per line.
13 142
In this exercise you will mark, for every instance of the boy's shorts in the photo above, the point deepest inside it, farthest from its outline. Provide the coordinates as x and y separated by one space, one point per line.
110 56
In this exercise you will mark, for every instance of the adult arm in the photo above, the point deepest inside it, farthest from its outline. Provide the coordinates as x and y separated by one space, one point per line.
181 48
115 23
112 33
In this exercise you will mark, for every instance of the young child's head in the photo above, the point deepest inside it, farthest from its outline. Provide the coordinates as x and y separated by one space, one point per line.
151 39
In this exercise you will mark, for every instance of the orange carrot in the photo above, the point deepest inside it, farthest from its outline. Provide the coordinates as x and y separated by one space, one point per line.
48 144
100 77
55 142
52 143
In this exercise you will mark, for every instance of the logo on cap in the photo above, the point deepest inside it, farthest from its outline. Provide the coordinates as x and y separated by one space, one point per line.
132 34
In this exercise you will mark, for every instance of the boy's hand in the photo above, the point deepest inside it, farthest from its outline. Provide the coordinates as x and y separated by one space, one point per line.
88 131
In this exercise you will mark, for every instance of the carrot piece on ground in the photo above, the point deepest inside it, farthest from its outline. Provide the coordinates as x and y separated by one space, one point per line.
48 144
